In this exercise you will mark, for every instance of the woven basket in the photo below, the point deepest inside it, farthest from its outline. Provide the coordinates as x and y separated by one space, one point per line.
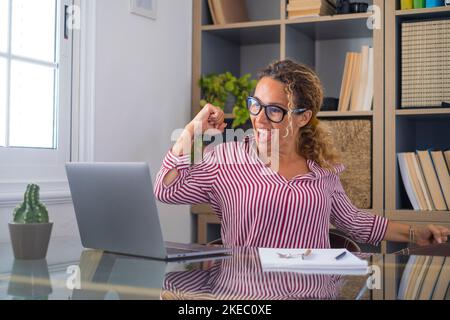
425 63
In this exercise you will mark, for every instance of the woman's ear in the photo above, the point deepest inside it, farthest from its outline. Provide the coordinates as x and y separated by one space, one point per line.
303 119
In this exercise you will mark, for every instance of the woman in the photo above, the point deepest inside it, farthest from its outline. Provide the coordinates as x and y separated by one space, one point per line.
291 207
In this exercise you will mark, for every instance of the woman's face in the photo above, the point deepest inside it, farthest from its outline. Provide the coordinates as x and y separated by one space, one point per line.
270 91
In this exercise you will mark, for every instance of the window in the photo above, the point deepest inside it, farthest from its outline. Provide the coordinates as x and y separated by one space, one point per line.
35 89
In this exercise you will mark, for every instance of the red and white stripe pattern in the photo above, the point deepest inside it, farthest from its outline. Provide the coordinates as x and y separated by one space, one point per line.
241 278
260 208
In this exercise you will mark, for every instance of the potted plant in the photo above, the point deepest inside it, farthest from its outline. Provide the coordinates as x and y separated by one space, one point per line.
224 90
30 231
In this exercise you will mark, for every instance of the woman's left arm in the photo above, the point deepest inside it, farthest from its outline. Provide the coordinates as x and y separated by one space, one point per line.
421 235
357 224
364 227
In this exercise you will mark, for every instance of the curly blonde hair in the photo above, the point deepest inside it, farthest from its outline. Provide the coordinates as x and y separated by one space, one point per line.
304 89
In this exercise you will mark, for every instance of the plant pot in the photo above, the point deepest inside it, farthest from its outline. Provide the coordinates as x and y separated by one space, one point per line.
30 241
30 280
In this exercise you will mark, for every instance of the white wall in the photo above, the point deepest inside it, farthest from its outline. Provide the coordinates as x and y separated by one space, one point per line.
143 89
142 93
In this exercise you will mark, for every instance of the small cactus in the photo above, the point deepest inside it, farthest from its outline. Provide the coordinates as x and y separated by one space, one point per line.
31 210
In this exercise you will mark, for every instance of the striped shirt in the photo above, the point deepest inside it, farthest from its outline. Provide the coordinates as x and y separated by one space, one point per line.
258 207
241 277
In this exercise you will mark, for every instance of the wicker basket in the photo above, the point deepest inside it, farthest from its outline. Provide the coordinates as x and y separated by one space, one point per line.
425 63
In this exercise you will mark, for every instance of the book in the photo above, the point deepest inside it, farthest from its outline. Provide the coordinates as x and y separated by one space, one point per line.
299 5
423 186
405 277
304 13
447 158
442 284
431 277
318 8
345 80
291 8
351 79
432 180
416 285
212 11
443 174
407 181
410 160
356 82
321 261
414 278
230 11
369 90
361 85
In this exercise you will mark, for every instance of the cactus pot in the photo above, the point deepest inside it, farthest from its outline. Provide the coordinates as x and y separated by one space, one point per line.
30 240
37 285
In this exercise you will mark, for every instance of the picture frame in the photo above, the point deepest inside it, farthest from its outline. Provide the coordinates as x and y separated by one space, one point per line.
144 8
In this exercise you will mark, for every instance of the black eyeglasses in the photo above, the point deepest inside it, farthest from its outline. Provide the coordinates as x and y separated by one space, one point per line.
274 113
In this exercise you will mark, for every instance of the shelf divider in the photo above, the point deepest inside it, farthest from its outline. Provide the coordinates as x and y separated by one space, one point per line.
423 12
418 112
419 216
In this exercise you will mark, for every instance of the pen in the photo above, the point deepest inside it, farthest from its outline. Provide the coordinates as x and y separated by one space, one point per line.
341 255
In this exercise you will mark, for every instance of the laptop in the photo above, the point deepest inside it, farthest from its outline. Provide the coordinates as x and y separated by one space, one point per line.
116 212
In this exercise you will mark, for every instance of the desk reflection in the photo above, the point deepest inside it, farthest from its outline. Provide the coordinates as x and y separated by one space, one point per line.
240 277
30 280
107 276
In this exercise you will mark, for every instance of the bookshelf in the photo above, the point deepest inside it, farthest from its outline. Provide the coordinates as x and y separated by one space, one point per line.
408 130
320 42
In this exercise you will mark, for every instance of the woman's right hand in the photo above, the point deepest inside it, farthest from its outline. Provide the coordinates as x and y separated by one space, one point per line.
209 118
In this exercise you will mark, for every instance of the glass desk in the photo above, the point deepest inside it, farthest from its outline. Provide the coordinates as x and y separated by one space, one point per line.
73 273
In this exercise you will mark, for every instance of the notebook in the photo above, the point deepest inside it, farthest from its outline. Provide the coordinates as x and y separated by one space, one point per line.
321 261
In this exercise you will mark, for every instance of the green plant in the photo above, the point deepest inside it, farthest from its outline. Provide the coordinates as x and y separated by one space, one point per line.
216 88
31 210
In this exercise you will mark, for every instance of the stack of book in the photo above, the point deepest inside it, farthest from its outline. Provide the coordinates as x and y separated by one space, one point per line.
426 178
357 81
425 278
308 8
228 11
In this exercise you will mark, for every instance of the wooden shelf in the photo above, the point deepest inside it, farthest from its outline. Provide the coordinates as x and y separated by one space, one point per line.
344 114
241 25
419 112
337 17
302 20
343 26
419 216
424 13
330 114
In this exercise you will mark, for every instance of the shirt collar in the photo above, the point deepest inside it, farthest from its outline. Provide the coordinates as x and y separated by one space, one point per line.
316 171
